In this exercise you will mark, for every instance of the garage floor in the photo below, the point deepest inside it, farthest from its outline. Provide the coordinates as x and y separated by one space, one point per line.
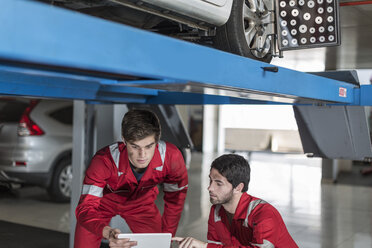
316 215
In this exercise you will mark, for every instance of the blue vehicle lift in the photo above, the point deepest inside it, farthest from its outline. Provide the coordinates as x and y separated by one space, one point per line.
51 52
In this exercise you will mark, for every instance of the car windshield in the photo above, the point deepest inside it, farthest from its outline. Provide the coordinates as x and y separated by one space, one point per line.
11 110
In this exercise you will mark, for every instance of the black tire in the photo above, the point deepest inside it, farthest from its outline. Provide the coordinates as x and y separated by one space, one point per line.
231 36
59 189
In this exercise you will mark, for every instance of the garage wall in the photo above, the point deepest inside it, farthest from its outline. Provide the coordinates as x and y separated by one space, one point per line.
269 123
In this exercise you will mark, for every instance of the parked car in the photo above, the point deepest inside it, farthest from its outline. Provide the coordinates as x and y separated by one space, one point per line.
36 141
36 144
243 27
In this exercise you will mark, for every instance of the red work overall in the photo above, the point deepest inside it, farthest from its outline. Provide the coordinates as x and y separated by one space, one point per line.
110 188
255 224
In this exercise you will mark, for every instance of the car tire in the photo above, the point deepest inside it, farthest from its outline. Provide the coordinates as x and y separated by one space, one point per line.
232 37
59 189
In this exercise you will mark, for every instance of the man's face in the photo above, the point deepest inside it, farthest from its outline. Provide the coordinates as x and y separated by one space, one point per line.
220 190
140 152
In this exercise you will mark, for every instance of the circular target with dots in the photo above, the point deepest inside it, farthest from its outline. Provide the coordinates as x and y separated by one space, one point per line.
303 29
318 20
307 16
295 12
311 4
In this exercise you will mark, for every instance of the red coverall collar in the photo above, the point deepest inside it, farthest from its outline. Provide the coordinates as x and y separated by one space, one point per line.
241 209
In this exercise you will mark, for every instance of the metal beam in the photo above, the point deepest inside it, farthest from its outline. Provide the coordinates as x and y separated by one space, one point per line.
365 95
199 99
79 158
44 35
38 83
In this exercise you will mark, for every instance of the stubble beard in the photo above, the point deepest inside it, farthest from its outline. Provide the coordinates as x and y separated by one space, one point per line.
225 199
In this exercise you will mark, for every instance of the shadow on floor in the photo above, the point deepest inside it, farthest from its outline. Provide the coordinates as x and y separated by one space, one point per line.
355 176
21 236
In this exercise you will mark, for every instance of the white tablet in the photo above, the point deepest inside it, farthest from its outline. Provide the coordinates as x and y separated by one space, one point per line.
149 240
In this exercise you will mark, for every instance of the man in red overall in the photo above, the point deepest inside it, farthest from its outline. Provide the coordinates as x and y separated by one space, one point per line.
122 180
238 219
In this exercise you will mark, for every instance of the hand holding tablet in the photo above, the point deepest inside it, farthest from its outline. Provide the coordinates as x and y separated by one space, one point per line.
149 240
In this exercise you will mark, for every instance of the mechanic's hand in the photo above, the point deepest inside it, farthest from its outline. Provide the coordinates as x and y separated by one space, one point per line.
189 242
111 235
122 243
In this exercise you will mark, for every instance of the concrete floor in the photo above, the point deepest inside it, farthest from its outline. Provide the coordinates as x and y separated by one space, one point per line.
316 215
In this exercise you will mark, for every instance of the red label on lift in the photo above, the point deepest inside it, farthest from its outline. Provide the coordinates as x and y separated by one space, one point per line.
342 92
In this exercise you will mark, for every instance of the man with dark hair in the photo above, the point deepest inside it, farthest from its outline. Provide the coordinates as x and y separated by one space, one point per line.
238 219
122 180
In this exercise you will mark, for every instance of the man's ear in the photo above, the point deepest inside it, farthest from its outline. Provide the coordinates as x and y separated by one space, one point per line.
239 187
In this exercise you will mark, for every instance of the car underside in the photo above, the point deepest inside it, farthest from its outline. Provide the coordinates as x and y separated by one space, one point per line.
148 17
246 34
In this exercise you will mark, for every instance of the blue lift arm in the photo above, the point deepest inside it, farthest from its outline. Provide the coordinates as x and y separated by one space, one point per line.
42 37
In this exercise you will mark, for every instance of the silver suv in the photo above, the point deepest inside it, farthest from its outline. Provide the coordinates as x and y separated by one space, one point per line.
36 144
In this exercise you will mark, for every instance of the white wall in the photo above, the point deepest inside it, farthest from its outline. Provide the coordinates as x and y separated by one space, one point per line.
276 117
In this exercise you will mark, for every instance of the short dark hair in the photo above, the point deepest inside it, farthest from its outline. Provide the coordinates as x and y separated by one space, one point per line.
138 124
235 168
